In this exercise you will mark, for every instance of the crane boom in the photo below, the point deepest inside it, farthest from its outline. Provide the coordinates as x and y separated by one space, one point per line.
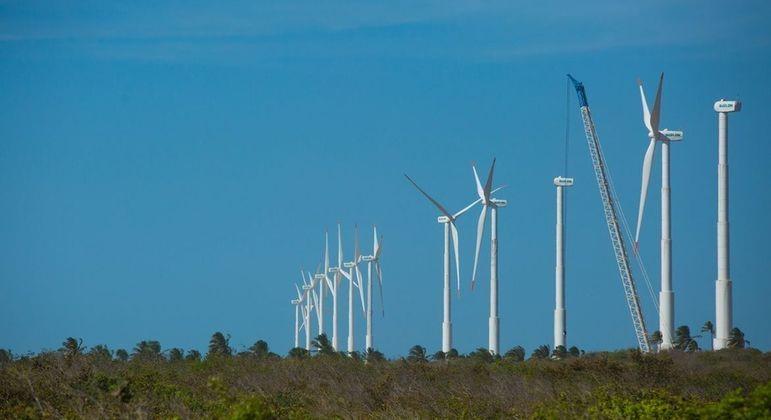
611 219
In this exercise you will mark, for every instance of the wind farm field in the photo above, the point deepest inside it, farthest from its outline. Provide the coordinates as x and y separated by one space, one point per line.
732 383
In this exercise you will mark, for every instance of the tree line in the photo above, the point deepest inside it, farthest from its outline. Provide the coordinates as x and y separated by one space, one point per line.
219 346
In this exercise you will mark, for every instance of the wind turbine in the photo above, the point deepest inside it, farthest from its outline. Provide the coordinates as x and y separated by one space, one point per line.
666 295
723 285
354 280
448 220
324 283
338 274
373 260
485 195
560 329
308 289
298 307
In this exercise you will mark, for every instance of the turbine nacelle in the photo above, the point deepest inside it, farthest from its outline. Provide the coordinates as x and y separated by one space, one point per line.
295 301
443 219
367 258
728 106
672 135
319 276
349 264
334 269
497 202
307 287
563 182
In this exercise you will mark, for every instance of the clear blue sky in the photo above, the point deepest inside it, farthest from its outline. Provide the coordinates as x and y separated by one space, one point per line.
166 169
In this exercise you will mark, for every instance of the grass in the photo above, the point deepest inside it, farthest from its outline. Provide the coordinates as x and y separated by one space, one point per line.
624 384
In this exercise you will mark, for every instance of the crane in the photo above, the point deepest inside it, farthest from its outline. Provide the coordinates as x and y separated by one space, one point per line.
611 219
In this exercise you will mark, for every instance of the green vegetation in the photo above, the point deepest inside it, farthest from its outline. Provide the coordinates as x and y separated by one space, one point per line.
77 382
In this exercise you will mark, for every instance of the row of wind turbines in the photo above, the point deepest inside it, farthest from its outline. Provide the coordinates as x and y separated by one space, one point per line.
308 299
723 298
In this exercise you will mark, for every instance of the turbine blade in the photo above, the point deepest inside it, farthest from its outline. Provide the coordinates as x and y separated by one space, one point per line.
480 232
379 272
465 209
454 231
436 203
646 175
375 243
356 250
480 190
489 183
339 248
657 108
646 112
326 250
379 248
299 295
361 290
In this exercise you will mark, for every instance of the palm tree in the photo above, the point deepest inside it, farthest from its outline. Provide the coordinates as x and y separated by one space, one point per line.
482 354
656 339
100 351
515 354
193 355
219 345
72 347
323 346
260 349
147 350
122 355
736 339
559 352
542 352
708 327
176 354
683 340
439 355
574 351
298 353
417 354
373 355
5 356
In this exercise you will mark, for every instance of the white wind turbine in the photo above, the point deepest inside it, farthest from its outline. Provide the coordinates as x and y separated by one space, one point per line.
354 280
371 260
307 291
298 309
338 272
666 295
324 283
485 195
448 220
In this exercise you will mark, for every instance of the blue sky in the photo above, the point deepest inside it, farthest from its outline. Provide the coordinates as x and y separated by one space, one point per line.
167 168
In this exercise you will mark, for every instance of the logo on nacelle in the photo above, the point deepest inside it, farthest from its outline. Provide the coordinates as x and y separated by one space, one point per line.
728 106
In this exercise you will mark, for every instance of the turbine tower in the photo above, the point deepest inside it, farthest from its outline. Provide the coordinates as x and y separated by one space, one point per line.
723 286
298 307
307 290
665 136
324 282
448 220
334 283
560 329
493 204
354 280
373 260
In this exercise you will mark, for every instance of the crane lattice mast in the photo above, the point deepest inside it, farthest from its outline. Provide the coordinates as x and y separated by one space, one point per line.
611 219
